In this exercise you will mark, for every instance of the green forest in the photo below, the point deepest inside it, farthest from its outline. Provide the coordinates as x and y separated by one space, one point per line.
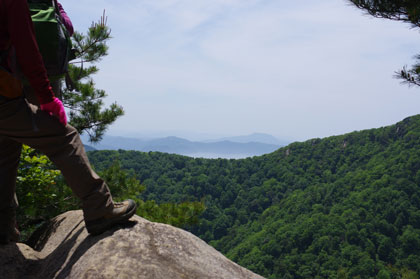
345 206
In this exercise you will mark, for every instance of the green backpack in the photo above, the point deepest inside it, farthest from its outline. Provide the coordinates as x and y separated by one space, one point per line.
52 36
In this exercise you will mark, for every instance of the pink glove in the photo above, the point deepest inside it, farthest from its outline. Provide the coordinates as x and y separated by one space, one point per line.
56 109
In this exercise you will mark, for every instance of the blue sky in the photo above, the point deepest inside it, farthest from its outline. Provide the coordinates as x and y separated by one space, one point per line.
293 69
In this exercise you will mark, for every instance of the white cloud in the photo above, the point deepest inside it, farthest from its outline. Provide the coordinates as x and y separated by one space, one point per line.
305 68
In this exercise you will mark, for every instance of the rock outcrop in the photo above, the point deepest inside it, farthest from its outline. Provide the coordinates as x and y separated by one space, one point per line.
140 249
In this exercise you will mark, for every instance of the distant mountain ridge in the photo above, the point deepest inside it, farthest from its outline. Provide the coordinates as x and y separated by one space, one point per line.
235 147
255 137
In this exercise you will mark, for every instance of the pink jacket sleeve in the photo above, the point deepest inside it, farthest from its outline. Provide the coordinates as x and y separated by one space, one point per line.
66 20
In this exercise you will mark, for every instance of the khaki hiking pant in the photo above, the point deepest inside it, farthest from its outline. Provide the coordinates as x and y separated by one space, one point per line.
24 123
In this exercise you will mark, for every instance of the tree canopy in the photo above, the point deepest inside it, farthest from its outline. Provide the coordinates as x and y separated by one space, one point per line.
401 10
341 207
84 102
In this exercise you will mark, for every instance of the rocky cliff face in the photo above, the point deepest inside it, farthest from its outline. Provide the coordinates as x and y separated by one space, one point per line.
140 249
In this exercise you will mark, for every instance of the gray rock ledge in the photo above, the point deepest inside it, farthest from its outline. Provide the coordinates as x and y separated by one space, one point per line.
140 249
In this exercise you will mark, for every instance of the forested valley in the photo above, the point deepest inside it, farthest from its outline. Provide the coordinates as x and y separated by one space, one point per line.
346 206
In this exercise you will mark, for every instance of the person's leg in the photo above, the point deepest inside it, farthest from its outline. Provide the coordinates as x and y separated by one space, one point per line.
67 152
25 123
9 161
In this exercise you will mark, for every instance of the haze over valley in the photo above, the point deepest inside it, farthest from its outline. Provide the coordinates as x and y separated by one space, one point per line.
227 147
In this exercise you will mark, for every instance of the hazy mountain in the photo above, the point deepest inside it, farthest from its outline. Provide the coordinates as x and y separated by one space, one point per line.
114 142
246 146
255 137
88 148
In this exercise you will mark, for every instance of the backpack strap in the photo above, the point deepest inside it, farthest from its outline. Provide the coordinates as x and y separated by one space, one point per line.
57 10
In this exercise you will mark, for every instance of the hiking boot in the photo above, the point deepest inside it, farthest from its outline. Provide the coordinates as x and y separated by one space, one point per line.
121 212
